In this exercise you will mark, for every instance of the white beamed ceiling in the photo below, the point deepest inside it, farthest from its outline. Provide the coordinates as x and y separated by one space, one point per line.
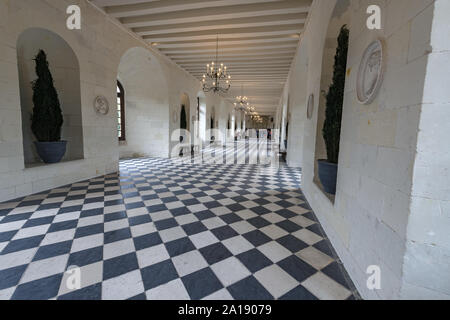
258 38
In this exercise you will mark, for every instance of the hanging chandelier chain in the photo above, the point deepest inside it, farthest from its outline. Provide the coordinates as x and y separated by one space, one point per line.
217 50
242 103
217 74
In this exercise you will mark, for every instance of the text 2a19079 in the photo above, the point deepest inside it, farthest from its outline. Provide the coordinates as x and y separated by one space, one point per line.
247 310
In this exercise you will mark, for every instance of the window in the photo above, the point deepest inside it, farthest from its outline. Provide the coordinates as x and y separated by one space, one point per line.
120 112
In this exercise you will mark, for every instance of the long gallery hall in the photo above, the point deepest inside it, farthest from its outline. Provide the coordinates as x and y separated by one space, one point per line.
224 150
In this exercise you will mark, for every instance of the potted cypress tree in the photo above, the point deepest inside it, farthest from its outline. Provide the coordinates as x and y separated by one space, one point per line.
183 120
332 125
183 126
47 118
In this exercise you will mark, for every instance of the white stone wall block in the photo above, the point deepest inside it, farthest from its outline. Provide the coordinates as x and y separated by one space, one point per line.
427 223
396 209
427 266
441 28
436 85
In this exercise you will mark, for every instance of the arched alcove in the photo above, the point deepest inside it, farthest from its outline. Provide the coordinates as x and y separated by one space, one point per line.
147 105
185 107
339 18
64 66
201 100
288 119
299 93
212 123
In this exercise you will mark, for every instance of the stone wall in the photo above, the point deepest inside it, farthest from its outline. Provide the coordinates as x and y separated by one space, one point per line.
427 260
146 105
99 47
379 176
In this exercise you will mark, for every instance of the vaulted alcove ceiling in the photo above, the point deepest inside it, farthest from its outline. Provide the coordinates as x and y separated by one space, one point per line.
258 38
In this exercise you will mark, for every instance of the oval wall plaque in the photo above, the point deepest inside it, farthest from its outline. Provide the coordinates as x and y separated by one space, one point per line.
370 73
101 105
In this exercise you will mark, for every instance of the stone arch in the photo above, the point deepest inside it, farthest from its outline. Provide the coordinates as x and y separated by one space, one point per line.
146 104
340 17
186 104
299 94
201 107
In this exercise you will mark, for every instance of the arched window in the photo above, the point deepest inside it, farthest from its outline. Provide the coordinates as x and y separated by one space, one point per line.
120 112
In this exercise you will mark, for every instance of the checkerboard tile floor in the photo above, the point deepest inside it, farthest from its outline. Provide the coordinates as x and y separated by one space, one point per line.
161 229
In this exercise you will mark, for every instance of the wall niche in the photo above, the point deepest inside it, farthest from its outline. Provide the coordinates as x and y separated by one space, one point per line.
65 70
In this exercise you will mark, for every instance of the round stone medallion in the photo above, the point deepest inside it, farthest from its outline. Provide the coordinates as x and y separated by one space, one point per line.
370 73
101 105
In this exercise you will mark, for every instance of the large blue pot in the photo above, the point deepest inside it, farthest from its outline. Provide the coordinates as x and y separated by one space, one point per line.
51 152
328 176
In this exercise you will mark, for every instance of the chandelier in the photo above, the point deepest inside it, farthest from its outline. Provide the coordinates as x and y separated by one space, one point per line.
216 78
242 103
256 117
250 110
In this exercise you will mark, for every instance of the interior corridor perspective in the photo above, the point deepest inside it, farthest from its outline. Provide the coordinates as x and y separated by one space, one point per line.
224 150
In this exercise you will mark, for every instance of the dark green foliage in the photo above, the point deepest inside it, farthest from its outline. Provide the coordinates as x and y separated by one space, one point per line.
335 99
183 121
47 118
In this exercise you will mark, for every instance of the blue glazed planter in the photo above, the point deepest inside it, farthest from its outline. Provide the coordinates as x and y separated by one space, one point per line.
328 176
51 152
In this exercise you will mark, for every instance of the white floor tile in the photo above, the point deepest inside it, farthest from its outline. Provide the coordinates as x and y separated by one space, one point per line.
242 227
274 232
189 262
152 255
142 229
16 259
172 234
237 245
173 290
31 232
325 288
307 236
274 251
230 271
213 223
57 237
123 287
89 275
276 280
315 258
204 239
45 268
118 248
220 295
